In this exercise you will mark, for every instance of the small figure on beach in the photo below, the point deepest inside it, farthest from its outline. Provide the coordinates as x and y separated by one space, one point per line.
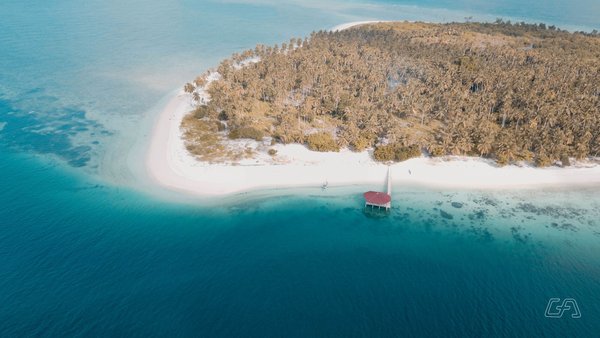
410 173
324 186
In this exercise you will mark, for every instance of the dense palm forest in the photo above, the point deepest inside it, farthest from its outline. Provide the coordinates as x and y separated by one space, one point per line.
511 92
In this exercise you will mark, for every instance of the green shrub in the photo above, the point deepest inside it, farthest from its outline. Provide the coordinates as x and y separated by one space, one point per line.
246 132
288 135
201 112
384 153
321 142
467 63
363 140
405 153
360 144
436 150
396 153
502 160
543 161
525 155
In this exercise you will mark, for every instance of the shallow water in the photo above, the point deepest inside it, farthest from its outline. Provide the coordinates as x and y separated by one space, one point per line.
82 253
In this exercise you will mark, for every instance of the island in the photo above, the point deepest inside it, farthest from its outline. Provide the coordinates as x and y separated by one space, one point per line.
473 105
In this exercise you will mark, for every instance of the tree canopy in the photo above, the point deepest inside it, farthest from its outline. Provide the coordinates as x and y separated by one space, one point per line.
505 91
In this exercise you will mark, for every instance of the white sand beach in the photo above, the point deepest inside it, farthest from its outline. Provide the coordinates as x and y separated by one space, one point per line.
170 165
353 24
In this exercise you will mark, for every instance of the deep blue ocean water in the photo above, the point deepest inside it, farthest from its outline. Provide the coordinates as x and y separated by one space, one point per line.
83 255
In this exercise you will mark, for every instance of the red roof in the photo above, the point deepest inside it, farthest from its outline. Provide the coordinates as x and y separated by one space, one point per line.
375 197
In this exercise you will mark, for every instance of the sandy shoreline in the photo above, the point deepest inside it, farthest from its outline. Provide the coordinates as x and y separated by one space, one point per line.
353 24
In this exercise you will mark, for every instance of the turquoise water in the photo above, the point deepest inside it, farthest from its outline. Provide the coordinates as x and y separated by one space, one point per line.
83 254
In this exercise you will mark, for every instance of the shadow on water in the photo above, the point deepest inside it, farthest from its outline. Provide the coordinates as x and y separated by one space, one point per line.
376 213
